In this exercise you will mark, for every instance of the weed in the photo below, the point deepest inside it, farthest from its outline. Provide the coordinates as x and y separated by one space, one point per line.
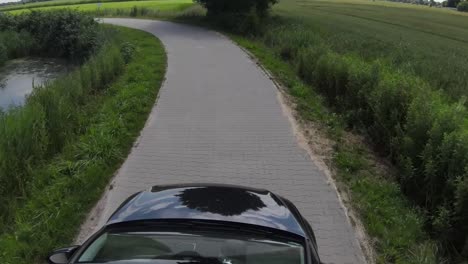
61 191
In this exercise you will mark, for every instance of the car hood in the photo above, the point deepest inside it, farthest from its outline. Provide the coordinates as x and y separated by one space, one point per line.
209 202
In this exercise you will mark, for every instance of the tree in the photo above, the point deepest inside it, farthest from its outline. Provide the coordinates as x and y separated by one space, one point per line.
218 7
452 3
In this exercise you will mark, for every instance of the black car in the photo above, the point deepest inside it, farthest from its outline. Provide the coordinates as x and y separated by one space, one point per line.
199 224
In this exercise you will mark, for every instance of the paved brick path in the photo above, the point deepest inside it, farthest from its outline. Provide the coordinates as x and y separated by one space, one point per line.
218 120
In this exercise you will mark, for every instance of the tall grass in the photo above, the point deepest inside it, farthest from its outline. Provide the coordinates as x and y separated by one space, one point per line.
107 119
50 118
419 128
64 33
148 12
15 44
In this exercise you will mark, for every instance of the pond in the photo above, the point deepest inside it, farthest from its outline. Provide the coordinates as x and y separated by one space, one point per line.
17 77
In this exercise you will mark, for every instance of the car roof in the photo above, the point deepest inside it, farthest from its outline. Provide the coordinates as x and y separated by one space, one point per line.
226 203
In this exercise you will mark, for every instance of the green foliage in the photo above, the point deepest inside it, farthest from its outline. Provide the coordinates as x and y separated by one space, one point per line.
23 143
7 22
34 133
128 51
452 3
3 53
182 11
15 44
417 127
63 33
463 6
396 228
62 190
244 16
218 7
249 23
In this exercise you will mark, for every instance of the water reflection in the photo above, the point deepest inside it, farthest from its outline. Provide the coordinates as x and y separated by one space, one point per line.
220 200
18 77
208 203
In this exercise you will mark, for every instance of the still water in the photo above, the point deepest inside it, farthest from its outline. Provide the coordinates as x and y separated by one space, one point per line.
17 77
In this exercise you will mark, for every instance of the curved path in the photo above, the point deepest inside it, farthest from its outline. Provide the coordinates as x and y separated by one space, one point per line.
218 119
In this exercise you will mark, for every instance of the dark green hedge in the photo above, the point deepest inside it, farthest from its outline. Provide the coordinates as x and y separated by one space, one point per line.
240 16
217 7
64 33
463 6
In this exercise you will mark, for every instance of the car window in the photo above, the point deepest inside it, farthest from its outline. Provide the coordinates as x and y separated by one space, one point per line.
137 246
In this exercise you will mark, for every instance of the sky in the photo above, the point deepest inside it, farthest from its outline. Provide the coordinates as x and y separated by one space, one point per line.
6 1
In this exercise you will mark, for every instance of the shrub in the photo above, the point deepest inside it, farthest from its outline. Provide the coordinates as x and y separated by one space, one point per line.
128 51
240 16
3 54
463 6
218 7
63 33
18 44
7 22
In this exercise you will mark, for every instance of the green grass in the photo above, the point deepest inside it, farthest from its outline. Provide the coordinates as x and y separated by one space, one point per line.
161 5
55 3
64 189
430 42
395 226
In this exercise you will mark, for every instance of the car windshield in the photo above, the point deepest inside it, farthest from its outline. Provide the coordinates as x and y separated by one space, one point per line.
164 247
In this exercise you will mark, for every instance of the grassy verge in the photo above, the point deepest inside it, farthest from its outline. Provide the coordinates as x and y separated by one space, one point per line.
395 226
64 189
34 133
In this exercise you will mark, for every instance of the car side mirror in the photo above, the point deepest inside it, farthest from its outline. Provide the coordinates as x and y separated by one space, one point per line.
62 256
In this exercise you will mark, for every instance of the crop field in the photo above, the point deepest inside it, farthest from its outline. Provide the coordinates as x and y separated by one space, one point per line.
428 42
93 6
52 3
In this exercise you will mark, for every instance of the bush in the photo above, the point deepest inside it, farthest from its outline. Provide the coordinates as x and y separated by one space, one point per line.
217 7
3 54
240 16
463 6
7 22
18 44
452 3
65 33
128 51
